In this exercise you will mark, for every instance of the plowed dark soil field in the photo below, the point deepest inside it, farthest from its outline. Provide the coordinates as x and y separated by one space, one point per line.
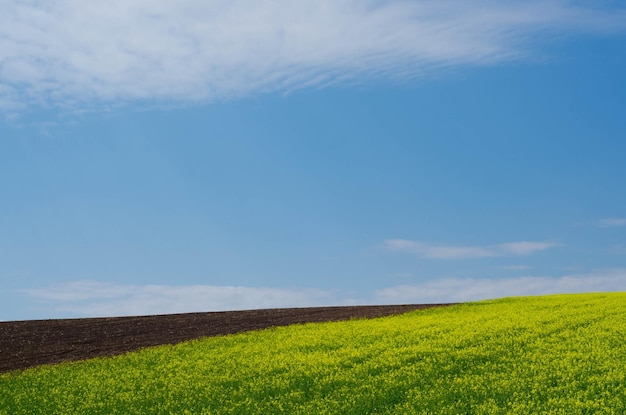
25 344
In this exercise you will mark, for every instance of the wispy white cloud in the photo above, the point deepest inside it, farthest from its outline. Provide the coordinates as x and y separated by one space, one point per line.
617 249
516 267
95 299
98 299
612 222
434 251
72 53
472 289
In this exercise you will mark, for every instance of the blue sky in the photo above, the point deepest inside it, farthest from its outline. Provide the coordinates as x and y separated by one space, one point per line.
160 157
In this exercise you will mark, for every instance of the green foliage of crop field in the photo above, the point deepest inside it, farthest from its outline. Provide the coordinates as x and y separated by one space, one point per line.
561 354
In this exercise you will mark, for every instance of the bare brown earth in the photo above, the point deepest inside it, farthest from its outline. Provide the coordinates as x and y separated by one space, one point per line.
25 344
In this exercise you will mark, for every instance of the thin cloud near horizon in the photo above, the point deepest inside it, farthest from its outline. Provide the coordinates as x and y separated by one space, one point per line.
612 222
104 299
475 289
435 251
96 298
76 54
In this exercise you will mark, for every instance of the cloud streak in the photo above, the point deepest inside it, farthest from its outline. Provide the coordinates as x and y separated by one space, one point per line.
70 53
96 299
612 222
472 289
433 251
100 299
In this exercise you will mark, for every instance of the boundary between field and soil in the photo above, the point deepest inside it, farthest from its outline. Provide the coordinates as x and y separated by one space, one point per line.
30 343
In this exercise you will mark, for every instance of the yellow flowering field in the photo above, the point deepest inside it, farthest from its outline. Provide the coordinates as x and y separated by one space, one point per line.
560 354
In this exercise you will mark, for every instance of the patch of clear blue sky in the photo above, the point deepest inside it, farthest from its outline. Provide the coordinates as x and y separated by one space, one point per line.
301 190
